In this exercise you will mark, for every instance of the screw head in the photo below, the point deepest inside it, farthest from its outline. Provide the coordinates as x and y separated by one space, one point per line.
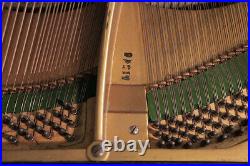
97 150
133 130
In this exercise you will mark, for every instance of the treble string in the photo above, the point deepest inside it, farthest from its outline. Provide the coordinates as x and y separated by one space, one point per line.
33 91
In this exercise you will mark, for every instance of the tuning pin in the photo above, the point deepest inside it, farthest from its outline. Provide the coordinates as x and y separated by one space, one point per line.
75 111
68 107
189 116
204 110
170 144
222 137
48 122
40 116
180 123
200 130
245 99
188 145
69 137
183 134
237 96
216 125
39 129
178 141
161 127
29 137
161 143
240 109
72 123
56 126
6 119
205 142
213 113
244 122
238 132
158 134
22 131
31 124
24 118
166 137
13 126
221 103
171 120
224 115
156 124
190 127
47 134
65 119
208 122
211 134
62 131
197 118
234 118
230 106
173 130
194 138
57 114
10 138
228 129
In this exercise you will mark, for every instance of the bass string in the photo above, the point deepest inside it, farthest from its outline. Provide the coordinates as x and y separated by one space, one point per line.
35 43
35 95
7 20
26 95
53 19
16 44
23 47
9 99
36 91
5 52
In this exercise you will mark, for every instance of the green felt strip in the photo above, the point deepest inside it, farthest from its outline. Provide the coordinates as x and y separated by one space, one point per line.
228 75
75 92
